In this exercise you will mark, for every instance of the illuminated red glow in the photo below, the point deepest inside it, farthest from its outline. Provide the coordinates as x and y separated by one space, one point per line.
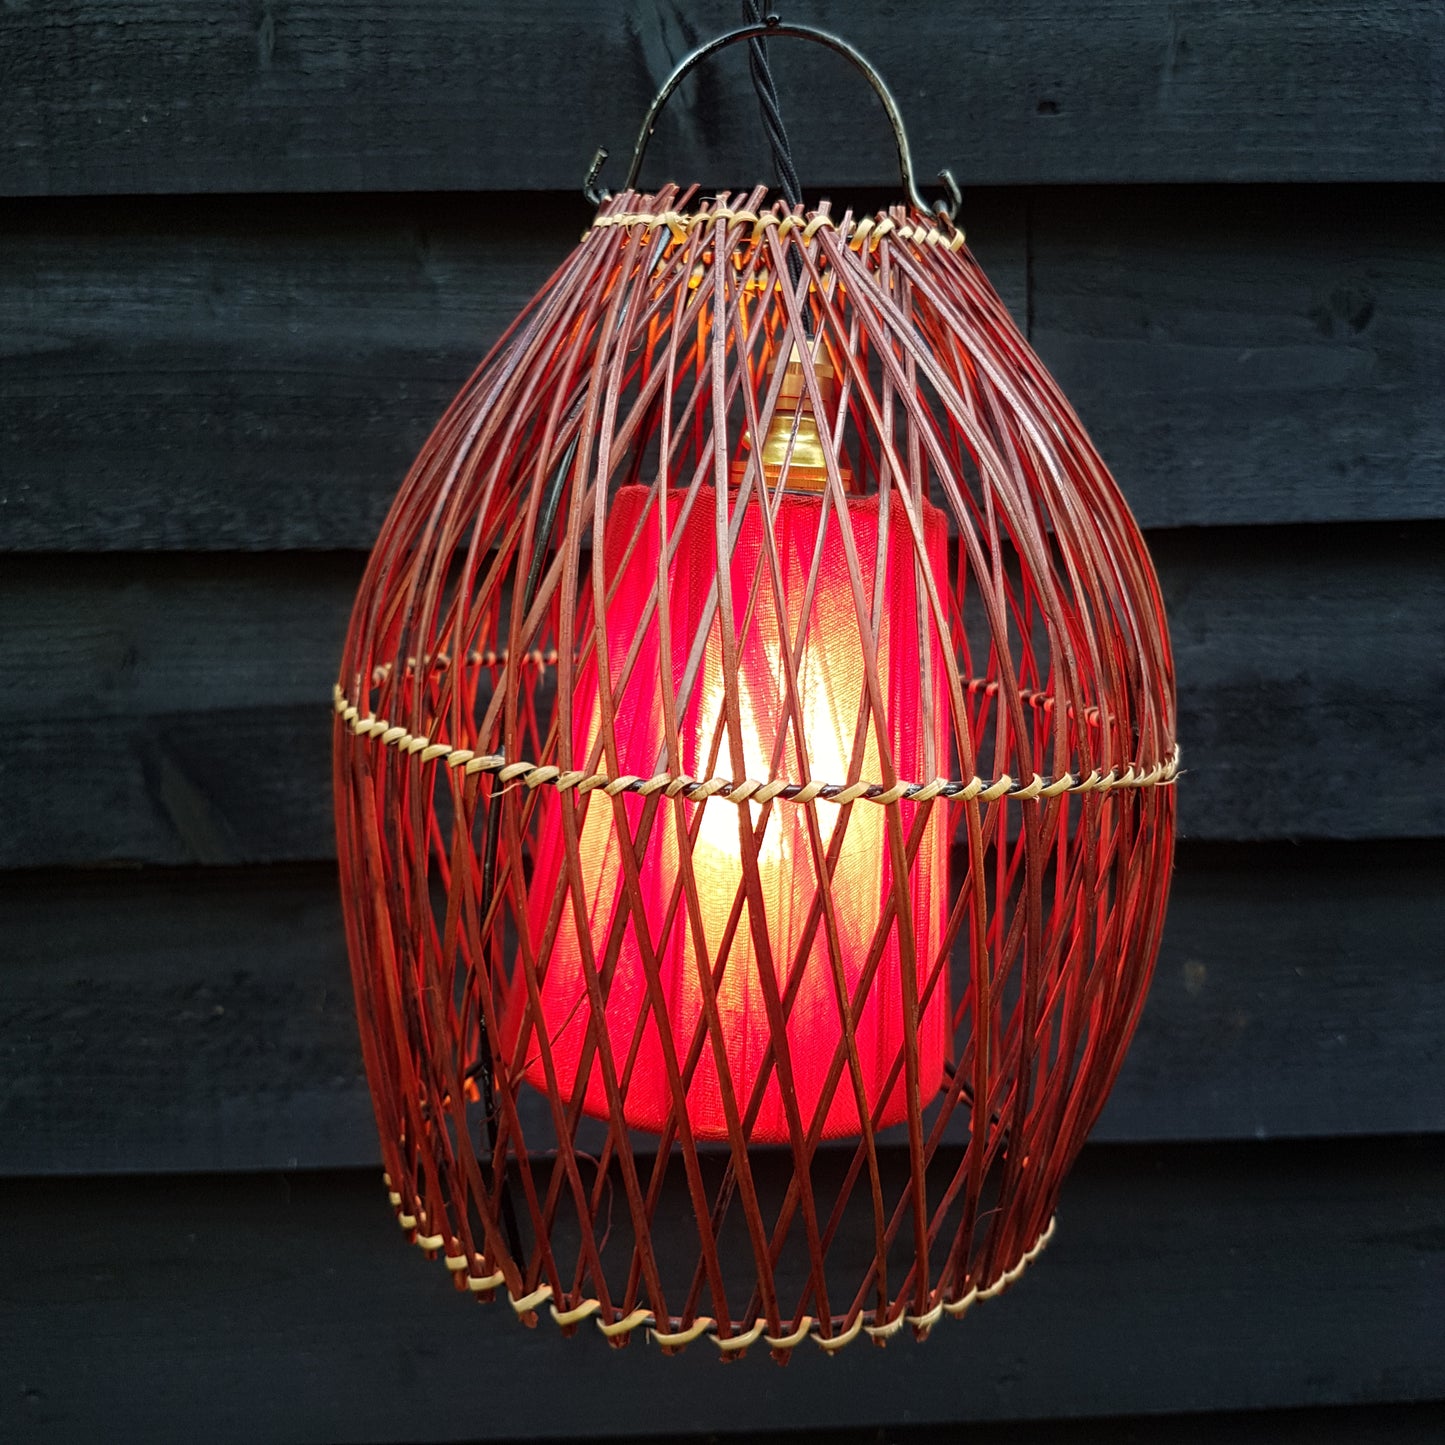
775 936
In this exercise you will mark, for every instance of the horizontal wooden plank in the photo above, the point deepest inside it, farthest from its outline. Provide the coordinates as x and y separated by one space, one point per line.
1311 674
143 96
244 375
1287 969
168 1020
287 1307
170 710
1250 355
233 375
219 374
164 1020
173 709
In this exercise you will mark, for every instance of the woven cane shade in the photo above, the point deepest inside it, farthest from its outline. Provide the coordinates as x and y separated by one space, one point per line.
754 750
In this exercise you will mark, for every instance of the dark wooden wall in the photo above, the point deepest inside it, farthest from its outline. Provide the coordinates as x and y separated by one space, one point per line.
251 247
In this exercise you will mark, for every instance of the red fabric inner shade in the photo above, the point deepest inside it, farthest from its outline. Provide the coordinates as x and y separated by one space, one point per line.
770 934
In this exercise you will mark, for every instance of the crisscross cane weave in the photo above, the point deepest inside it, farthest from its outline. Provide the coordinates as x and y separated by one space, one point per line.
561 788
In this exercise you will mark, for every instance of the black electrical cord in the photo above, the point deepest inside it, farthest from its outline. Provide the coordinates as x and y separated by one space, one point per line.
771 108
778 143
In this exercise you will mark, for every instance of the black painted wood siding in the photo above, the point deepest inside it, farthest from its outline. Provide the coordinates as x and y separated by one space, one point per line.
249 250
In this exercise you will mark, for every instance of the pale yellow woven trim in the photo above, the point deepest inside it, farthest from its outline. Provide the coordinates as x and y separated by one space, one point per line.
960 1307
641 1317
867 231
534 775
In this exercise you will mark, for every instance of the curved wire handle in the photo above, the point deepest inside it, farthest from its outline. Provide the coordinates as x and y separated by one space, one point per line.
770 27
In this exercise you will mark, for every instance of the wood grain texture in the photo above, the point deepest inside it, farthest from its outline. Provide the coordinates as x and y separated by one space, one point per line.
287 1307
1250 356
225 374
179 1020
174 709
1297 986
169 709
1311 672
112 96
216 374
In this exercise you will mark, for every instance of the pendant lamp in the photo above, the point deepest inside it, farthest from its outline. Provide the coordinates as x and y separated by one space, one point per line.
754 751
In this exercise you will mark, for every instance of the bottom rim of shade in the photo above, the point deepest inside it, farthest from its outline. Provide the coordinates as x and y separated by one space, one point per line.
677 1336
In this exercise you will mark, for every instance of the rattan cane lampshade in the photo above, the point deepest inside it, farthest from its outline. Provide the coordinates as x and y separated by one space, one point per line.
753 755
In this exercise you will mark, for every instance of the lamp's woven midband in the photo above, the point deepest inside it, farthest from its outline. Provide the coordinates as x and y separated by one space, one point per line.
751 790
855 234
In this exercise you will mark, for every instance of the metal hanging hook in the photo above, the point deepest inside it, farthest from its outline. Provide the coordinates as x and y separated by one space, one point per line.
769 28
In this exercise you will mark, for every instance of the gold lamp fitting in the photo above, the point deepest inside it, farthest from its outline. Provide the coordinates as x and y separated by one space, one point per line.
792 442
